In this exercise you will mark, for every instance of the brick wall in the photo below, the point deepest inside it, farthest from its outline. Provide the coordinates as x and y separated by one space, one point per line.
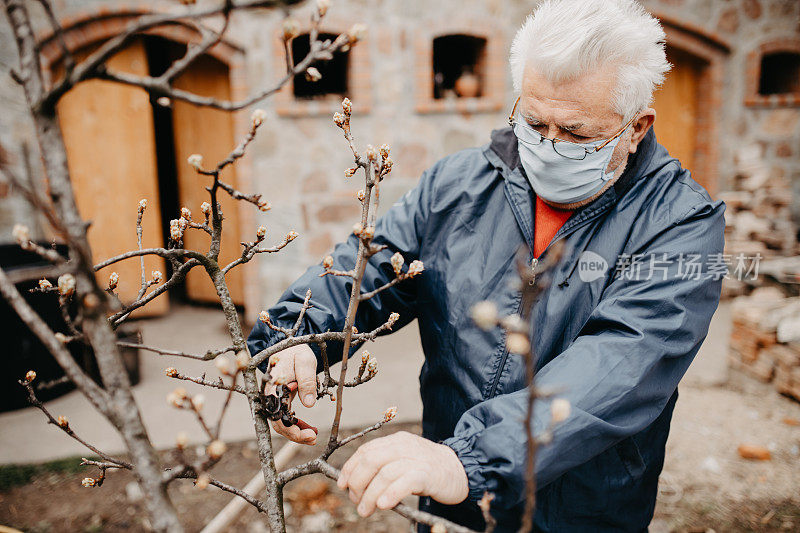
299 157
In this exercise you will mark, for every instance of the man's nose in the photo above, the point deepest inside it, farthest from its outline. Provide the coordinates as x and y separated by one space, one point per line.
550 135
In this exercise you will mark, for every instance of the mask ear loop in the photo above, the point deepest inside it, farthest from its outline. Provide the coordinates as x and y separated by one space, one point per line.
513 110
620 132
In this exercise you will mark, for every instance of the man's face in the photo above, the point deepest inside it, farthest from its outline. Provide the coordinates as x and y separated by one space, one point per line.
581 111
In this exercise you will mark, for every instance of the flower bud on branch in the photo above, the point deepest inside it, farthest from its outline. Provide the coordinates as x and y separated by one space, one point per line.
518 343
313 74
242 359
196 161
339 119
365 357
416 267
364 233
560 410
113 281
372 154
397 263
22 235
258 117
224 366
202 482
216 449
357 33
372 367
177 397
175 231
198 402
513 323
66 285
484 314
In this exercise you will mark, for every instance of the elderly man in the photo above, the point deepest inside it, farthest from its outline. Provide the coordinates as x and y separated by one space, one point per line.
629 306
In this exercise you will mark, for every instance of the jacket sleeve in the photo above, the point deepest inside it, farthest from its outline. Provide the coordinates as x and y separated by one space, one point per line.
400 230
618 374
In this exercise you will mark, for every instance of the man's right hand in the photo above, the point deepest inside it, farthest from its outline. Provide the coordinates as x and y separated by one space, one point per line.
297 364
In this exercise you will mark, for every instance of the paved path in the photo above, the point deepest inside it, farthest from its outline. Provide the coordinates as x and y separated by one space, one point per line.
26 438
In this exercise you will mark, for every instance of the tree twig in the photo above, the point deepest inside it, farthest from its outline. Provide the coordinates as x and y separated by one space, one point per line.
63 424
209 355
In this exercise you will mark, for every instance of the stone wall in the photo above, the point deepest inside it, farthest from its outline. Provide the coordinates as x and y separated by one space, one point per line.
299 156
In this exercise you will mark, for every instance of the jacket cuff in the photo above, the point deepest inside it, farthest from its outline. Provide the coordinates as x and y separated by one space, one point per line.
475 480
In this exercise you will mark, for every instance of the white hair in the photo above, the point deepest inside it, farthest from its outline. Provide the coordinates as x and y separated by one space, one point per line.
564 39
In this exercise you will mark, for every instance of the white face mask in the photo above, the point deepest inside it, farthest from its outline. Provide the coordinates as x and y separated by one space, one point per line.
557 178
563 172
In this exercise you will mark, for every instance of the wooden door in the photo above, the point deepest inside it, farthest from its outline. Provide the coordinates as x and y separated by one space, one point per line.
208 132
676 108
109 137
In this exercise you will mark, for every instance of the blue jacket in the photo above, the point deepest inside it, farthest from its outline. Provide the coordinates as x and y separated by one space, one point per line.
614 342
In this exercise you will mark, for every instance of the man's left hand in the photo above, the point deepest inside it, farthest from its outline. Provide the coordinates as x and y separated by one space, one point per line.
384 471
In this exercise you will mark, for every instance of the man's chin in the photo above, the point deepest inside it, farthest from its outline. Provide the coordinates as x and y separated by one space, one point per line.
575 205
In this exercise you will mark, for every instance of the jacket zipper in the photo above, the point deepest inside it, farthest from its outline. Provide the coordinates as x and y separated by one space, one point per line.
496 381
534 264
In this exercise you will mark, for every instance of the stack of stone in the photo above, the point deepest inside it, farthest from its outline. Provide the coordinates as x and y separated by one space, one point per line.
758 216
765 341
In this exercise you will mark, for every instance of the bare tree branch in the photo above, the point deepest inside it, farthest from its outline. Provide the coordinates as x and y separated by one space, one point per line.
177 276
97 396
92 66
61 422
209 355
316 338
219 384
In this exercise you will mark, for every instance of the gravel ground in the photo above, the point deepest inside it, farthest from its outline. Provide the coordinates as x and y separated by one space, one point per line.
705 485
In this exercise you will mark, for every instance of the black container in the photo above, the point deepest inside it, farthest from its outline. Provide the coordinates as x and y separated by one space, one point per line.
21 349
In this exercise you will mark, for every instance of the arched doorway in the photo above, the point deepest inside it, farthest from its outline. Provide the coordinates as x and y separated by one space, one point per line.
122 147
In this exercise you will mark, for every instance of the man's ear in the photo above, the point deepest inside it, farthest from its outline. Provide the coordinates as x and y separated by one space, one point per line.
640 127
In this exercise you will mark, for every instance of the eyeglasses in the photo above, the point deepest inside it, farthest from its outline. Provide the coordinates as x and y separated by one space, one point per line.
527 134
